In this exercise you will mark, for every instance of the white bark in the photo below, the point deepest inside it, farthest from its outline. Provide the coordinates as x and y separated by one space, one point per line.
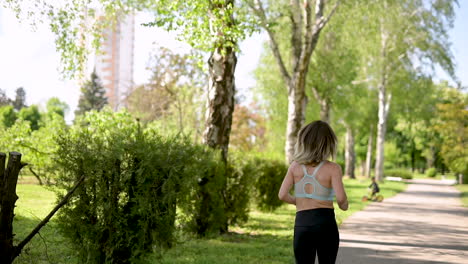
350 156
305 34
368 166
297 103
221 91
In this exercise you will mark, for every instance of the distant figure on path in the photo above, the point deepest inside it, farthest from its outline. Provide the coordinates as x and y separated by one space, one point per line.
374 187
316 180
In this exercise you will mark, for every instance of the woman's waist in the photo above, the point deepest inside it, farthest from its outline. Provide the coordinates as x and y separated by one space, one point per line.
308 204
316 216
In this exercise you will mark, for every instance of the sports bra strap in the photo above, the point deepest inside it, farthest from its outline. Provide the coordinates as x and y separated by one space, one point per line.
315 171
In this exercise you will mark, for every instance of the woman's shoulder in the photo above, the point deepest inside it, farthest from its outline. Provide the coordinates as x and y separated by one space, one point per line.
332 166
294 165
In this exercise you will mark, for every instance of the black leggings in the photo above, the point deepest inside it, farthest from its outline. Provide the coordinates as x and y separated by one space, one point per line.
316 232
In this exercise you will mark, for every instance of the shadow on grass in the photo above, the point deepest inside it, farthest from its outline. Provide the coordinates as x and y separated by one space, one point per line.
48 246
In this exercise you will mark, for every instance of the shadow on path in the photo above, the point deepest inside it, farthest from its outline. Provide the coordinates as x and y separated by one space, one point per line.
424 224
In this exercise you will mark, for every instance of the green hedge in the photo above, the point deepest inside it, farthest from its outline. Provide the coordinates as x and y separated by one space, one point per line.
403 173
141 188
269 175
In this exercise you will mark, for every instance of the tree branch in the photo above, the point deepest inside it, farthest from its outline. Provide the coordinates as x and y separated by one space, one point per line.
297 24
65 199
316 94
313 31
258 9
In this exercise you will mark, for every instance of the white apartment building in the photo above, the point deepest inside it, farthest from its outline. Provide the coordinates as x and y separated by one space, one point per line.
114 62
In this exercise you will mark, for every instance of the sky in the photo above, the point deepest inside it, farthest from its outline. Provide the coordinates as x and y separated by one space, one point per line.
28 58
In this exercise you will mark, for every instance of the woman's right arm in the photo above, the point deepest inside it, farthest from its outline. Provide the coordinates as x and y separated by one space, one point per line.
337 184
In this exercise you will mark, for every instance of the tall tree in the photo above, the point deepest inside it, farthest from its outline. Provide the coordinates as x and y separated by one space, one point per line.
4 100
174 95
55 106
306 22
20 99
93 96
452 124
7 116
32 115
406 32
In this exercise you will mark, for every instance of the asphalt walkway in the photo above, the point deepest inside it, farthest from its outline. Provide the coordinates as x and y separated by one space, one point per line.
425 224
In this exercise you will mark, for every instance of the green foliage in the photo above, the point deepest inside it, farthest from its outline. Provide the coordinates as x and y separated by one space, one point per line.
7 116
174 95
93 96
128 200
205 25
452 125
431 172
393 155
55 106
403 173
135 180
32 115
269 175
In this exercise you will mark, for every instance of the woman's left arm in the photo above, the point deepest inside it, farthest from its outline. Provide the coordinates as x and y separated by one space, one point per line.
286 186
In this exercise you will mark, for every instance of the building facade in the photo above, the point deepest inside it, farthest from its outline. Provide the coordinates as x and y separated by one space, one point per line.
115 59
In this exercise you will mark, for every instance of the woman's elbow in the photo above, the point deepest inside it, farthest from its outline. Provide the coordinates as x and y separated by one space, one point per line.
281 196
343 204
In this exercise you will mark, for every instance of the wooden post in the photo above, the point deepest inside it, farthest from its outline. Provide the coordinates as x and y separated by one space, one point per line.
9 179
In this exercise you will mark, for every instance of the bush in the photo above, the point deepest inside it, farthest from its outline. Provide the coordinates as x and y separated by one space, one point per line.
269 175
141 188
431 172
399 173
135 180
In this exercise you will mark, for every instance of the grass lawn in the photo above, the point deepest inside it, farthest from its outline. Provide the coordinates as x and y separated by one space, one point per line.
265 238
463 188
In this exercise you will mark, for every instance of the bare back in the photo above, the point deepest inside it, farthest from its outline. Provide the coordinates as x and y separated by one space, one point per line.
323 176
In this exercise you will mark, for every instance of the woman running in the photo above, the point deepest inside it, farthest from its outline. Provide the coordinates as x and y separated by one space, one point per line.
316 181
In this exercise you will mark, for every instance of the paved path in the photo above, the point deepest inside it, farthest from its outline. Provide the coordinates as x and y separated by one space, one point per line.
423 225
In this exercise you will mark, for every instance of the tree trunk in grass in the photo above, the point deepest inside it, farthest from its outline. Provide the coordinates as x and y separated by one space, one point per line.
307 22
221 91
8 181
350 158
8 197
368 165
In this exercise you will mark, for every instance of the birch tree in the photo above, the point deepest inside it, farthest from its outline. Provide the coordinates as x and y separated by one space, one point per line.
407 33
307 19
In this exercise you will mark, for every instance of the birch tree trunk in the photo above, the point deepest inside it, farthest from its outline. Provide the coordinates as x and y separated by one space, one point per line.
368 165
306 30
383 109
221 91
297 104
325 111
324 105
384 104
350 156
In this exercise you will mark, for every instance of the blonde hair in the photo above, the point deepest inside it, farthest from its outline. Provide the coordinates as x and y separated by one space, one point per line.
315 142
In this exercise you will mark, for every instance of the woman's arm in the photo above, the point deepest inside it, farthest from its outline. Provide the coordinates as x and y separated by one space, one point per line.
286 186
337 184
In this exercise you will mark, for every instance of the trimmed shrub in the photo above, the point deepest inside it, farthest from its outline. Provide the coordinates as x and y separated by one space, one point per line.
141 188
135 180
431 172
269 175
399 173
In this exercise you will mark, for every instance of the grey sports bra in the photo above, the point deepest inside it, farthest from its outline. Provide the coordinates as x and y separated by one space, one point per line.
319 192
